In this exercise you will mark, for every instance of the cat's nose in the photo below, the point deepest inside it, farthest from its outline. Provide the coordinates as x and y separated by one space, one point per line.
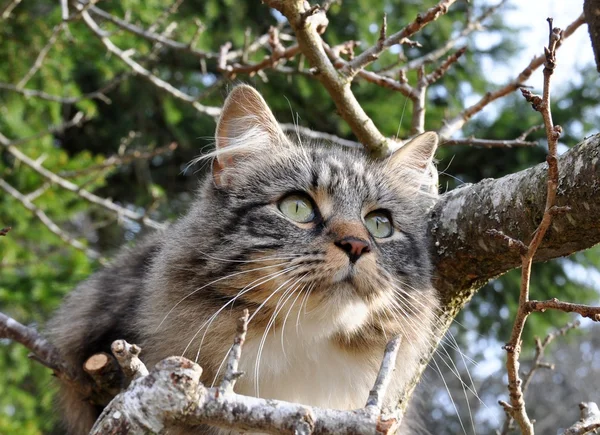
354 247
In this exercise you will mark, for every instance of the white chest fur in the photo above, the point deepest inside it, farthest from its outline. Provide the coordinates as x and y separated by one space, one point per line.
300 363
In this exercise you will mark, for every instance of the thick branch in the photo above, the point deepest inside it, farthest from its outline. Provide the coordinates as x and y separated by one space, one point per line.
307 23
466 256
43 351
591 10
142 408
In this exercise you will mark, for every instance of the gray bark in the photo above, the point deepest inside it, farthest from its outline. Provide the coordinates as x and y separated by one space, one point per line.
466 257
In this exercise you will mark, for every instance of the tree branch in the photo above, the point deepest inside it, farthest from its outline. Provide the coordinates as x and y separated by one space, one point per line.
67 185
456 123
589 421
368 56
139 69
142 408
307 23
45 353
466 256
591 10
49 223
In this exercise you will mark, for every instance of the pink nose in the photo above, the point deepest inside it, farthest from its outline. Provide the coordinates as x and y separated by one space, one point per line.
354 247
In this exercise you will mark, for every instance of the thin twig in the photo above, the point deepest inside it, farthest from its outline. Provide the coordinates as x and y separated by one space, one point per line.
488 143
459 121
139 69
371 54
49 223
231 373
77 120
65 184
151 35
39 61
119 160
587 311
318 135
8 8
517 409
437 54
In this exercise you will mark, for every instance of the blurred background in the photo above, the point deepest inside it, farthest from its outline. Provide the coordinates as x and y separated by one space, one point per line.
132 143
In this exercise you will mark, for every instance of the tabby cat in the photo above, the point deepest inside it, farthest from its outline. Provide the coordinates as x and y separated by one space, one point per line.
326 247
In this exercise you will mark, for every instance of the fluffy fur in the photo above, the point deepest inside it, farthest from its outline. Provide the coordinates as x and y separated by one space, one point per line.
319 322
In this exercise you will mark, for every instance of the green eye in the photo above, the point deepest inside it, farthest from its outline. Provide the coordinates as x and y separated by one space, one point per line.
379 224
298 208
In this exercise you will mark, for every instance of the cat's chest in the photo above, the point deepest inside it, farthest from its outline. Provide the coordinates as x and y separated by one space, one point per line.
302 363
316 373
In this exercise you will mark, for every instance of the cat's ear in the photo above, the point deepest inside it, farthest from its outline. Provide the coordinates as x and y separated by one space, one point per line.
246 125
416 157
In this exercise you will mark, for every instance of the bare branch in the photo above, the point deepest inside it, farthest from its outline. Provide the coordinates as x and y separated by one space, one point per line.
437 54
591 10
65 184
39 61
513 348
368 56
142 408
8 8
306 25
488 143
45 353
49 223
76 121
439 72
590 312
459 121
119 160
317 135
231 373
139 69
377 394
150 35
589 421
98 95
127 356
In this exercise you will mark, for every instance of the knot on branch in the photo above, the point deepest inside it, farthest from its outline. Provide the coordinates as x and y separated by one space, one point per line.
315 16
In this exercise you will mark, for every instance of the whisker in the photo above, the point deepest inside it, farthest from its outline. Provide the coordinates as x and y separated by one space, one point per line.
211 283
247 288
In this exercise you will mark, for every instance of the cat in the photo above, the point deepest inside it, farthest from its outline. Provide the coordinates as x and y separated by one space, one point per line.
326 247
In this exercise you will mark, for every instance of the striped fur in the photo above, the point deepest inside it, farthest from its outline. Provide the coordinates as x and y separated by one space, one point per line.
319 322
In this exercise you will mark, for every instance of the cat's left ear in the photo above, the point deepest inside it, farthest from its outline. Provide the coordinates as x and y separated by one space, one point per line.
416 157
246 125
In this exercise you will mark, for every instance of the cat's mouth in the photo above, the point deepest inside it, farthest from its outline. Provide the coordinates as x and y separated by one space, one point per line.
345 275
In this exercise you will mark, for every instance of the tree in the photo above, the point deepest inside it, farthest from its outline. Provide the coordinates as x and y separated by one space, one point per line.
171 90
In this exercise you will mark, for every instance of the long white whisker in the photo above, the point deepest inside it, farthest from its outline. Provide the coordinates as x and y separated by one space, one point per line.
264 337
211 283
240 293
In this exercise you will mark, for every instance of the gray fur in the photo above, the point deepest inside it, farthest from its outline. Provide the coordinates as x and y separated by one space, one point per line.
156 294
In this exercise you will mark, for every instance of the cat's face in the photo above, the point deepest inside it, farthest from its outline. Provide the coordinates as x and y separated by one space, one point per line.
315 226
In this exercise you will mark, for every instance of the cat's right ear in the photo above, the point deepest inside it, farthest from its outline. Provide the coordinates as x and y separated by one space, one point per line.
246 125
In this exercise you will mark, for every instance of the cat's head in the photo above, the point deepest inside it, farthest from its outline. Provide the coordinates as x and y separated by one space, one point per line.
317 225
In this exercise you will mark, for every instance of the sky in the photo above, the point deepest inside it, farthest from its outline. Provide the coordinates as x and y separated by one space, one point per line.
530 15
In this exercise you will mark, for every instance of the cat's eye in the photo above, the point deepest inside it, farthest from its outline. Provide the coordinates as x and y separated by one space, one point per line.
298 208
379 224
